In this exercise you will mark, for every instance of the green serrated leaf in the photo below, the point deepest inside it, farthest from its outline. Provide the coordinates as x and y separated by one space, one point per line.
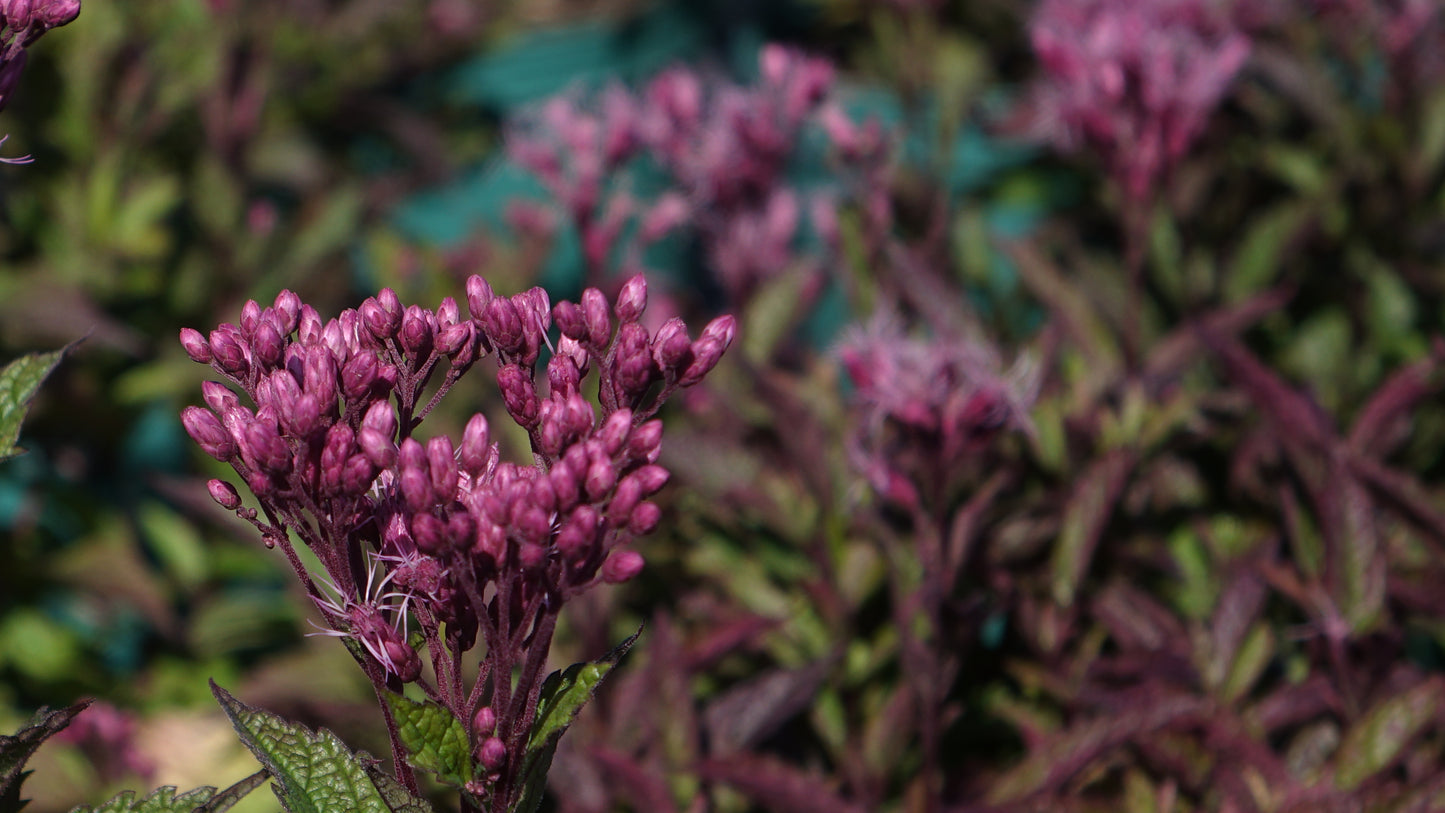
161 800
18 383
435 740
314 771
563 695
16 750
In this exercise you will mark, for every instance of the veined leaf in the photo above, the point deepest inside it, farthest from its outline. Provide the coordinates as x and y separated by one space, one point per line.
18 382
16 750
165 800
435 740
314 771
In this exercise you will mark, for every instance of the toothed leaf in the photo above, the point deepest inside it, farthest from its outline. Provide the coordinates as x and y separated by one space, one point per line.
434 740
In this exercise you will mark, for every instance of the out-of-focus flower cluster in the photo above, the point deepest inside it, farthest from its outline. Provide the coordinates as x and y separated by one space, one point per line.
24 21
927 406
440 532
726 149
1135 81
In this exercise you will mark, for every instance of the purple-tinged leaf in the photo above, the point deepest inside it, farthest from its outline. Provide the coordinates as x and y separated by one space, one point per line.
1382 421
750 712
723 640
1088 511
776 785
1379 738
1175 351
1297 419
1238 607
16 750
641 788
1135 620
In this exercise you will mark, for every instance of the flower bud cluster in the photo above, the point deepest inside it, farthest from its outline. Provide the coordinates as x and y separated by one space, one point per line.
446 532
23 22
726 147
926 407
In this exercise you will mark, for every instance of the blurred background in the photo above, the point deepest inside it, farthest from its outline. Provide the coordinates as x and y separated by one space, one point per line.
1080 449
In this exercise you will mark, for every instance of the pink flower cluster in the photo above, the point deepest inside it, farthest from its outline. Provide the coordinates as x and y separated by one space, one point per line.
24 21
926 406
1135 80
440 532
725 147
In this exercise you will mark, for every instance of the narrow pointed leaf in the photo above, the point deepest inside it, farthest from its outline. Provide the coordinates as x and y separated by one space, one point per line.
435 740
162 800
563 695
1088 513
1384 732
16 750
776 785
18 382
314 772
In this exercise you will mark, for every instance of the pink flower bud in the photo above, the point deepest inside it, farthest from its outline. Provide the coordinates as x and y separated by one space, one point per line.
416 487
218 397
475 453
615 430
195 345
380 418
624 499
302 416
224 494
671 347
564 485
644 518
632 300
461 529
228 351
651 479
416 333
250 317
357 475
288 309
645 443
452 339
263 448
503 325
319 376
208 432
309 329
479 293
378 321
492 754
18 13
442 464
594 312
531 556
634 369
55 13
569 319
621 566
484 721
359 375
532 525
563 378
401 660
601 477
519 395
429 533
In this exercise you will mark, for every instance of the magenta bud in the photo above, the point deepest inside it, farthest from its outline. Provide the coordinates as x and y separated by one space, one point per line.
380 418
309 329
601 477
442 463
319 376
228 352
721 330
484 721
391 303
359 374
594 312
574 543
632 300
650 478
564 486
402 660
518 394
705 355
302 416
357 475
671 347
56 13
224 494
219 397
288 308
621 566
624 499
563 377
461 529
250 317
615 430
377 320
429 533
570 321
544 496
476 449
268 346
531 555
645 443
644 518
265 449
492 754
479 293
18 13
452 339
378 448
195 345
448 313
416 333
503 325
208 432
634 368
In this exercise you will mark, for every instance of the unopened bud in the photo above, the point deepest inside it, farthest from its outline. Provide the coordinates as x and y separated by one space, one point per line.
442 464
503 325
644 518
594 312
601 477
519 394
621 566
570 321
195 345
492 754
288 309
209 433
671 347
632 300
479 293
228 352
645 443
416 333
219 397
476 449
224 494
484 721
615 430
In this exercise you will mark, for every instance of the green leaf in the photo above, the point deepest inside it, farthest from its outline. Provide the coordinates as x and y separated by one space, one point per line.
18 383
314 771
435 740
16 750
165 800
1381 736
563 695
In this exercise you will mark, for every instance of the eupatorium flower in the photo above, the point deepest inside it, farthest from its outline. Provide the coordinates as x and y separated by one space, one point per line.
1135 80
435 535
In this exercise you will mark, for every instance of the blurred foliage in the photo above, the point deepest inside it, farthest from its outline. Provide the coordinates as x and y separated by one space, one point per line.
1205 578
